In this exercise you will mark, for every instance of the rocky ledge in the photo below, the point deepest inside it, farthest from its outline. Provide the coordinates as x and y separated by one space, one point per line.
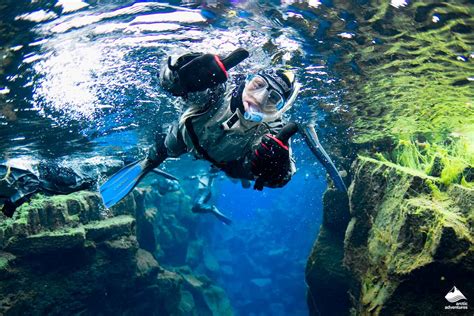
399 245
68 255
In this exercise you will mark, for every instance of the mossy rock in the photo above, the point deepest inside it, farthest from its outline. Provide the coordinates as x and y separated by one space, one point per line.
47 213
6 263
408 224
110 228
208 299
47 242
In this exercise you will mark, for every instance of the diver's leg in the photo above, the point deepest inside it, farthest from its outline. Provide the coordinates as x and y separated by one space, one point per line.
174 143
245 183
204 195
10 205
221 216
202 198
206 208
123 181
166 145
56 178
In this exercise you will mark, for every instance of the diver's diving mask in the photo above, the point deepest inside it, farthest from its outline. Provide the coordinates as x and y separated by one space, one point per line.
264 101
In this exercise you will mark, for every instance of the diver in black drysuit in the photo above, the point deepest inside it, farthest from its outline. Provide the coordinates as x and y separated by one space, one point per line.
17 185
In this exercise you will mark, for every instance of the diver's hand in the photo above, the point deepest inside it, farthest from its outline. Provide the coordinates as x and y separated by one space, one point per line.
271 162
169 78
198 72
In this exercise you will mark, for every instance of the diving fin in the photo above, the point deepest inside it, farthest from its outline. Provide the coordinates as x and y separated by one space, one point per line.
123 182
221 216
311 138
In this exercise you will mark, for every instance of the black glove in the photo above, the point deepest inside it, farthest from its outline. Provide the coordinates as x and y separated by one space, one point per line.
198 72
271 162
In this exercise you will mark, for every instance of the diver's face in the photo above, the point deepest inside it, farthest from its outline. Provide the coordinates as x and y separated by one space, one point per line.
259 97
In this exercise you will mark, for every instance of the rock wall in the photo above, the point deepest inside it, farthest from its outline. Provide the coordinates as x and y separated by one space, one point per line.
408 242
327 278
68 255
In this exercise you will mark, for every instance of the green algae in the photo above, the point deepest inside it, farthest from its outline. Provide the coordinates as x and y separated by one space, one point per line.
3 263
110 228
451 162
110 222
419 84
416 87
63 232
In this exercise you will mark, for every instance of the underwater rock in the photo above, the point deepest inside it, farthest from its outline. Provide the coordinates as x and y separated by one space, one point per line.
6 264
110 228
47 242
169 229
327 278
145 228
186 305
194 253
407 242
401 225
146 264
210 262
207 298
165 225
68 255
45 213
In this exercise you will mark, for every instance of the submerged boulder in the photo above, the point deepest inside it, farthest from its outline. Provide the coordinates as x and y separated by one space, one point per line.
201 297
327 278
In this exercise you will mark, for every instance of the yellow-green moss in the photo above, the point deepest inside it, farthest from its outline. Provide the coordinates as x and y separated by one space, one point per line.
453 160
416 90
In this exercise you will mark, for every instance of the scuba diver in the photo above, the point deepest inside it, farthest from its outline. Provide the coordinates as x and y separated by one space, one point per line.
238 127
232 126
19 183
200 203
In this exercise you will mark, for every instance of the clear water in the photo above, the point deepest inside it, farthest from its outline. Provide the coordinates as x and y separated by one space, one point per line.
80 80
